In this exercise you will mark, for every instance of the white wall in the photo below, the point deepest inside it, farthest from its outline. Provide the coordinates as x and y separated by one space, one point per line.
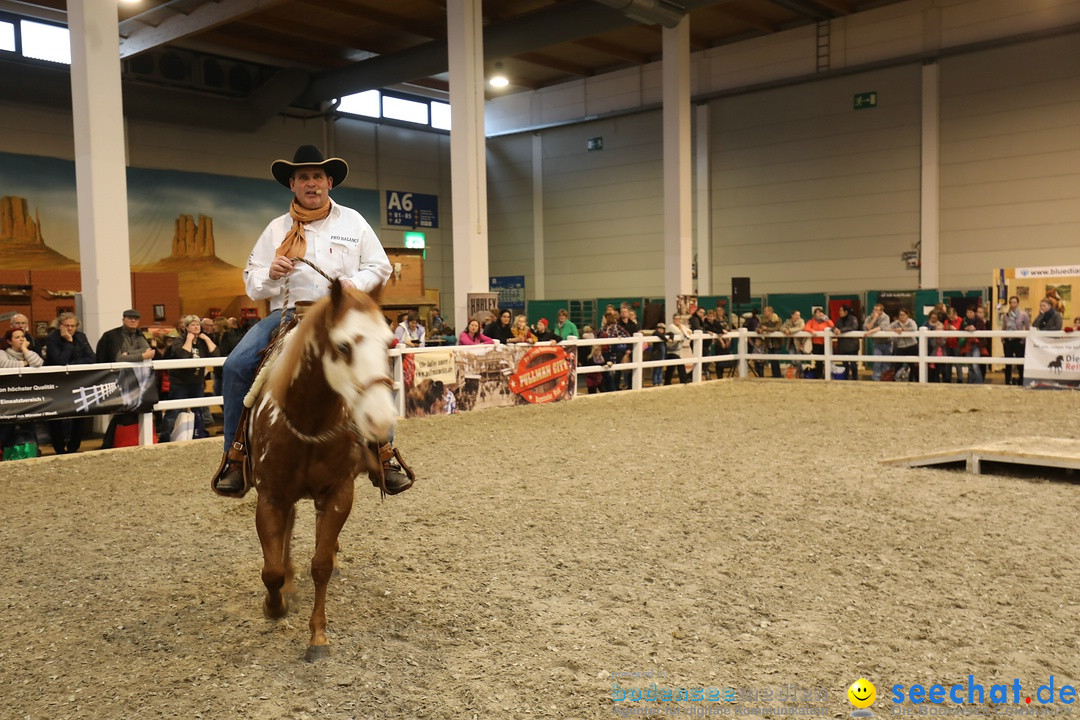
810 194
603 210
1010 160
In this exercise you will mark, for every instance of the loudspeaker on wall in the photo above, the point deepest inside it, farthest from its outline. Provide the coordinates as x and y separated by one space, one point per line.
740 290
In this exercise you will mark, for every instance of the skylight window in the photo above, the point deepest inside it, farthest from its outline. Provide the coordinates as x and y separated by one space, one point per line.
408 110
440 115
7 36
365 103
45 42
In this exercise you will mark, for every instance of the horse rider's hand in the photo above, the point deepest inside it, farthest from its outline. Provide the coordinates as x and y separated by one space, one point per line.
281 267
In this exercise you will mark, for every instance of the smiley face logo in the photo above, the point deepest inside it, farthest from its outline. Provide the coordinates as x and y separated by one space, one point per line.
862 693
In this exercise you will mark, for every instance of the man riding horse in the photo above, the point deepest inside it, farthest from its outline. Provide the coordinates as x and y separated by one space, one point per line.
334 242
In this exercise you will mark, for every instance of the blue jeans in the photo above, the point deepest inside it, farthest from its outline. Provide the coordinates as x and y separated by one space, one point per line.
880 367
975 373
238 372
658 372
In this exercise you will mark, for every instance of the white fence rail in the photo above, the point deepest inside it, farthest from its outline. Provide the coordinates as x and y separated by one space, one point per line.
742 354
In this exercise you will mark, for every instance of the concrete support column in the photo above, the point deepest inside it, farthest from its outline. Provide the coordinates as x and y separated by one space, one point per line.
677 168
100 162
468 173
930 205
539 291
703 195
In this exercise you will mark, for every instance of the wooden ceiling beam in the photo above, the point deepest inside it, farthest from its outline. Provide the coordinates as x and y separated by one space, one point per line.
545 60
748 18
841 6
306 32
615 50
433 31
697 42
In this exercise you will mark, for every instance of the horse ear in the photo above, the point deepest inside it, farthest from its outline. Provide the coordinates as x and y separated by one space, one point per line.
336 291
376 293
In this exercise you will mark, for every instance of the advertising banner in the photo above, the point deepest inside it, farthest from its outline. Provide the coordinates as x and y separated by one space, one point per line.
482 376
1052 363
36 395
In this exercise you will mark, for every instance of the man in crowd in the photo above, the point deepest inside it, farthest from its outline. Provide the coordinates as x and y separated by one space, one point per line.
1014 319
315 227
972 347
875 324
125 343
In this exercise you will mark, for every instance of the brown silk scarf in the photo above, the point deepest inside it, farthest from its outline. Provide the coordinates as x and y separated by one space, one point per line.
295 244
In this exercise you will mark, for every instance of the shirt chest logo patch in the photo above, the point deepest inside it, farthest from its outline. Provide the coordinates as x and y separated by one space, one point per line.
344 239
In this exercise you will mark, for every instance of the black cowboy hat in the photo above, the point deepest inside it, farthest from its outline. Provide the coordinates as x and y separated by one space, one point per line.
310 156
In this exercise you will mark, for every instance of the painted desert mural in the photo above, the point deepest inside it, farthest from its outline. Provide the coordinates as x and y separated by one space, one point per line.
197 227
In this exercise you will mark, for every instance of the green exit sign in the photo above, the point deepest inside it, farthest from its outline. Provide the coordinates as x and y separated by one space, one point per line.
865 100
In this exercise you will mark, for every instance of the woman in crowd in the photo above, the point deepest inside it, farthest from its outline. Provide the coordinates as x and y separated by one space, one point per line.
678 346
564 328
848 322
18 353
409 331
472 335
616 352
819 323
67 345
951 321
185 383
499 328
520 332
1048 318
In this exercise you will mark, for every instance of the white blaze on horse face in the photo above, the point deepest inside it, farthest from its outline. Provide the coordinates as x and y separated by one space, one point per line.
359 379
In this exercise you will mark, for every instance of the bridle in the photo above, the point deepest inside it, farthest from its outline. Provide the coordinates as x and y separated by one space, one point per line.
361 390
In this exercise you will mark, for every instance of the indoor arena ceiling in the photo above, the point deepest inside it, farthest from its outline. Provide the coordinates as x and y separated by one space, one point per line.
268 55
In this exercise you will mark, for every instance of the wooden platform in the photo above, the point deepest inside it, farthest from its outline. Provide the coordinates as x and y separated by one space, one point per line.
1036 451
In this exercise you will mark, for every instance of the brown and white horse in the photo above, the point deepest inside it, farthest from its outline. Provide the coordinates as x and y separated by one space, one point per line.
327 393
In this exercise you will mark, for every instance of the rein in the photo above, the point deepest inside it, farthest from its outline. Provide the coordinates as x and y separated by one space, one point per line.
285 303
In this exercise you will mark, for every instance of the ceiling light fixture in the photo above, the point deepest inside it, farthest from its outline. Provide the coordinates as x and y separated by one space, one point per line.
499 79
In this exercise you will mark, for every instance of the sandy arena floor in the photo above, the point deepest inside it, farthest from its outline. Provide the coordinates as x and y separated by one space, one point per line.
731 534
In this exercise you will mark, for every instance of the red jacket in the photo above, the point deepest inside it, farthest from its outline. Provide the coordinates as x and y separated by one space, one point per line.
812 325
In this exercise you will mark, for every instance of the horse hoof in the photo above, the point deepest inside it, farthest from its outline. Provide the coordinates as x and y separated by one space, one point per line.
275 614
317 652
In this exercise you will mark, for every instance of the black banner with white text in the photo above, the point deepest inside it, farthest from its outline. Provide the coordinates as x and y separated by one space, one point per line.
36 395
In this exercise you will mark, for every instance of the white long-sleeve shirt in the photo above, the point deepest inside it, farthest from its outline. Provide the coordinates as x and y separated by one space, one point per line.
342 245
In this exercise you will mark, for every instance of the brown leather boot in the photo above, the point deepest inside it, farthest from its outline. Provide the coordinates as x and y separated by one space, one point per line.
392 476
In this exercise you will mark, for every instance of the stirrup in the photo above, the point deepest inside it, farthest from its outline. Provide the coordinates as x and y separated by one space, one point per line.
234 461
